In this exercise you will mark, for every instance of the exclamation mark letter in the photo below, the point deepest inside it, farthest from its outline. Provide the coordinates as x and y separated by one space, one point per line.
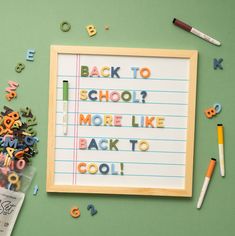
122 167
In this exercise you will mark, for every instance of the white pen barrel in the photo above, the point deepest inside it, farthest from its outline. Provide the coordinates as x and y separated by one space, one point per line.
204 36
65 117
221 159
203 192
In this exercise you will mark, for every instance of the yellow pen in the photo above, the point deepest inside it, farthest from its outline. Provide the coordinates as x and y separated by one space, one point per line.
220 129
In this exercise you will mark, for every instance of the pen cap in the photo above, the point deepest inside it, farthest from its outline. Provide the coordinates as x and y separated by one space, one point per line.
220 129
65 90
182 24
211 168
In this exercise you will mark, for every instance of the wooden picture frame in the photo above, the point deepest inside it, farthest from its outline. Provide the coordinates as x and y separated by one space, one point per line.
191 55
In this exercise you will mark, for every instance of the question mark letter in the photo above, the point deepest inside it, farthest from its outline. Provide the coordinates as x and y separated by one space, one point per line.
144 95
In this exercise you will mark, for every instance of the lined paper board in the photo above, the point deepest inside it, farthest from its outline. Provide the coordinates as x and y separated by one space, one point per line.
168 93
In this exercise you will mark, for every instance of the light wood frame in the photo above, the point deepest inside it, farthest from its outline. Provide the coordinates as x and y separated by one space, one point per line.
192 55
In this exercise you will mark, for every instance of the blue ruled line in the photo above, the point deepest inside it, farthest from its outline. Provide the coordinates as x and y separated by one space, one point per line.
92 150
102 137
139 90
123 126
156 103
157 176
128 163
127 78
123 114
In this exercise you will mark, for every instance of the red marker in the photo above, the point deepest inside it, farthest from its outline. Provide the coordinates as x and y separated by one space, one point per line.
196 32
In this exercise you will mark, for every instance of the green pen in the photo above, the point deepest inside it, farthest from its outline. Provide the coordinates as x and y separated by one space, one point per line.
65 105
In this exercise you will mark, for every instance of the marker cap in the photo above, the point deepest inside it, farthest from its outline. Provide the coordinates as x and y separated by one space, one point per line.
182 25
211 168
220 129
65 90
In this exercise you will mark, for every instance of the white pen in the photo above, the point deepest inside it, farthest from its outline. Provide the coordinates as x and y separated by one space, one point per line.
65 106
220 129
196 32
207 179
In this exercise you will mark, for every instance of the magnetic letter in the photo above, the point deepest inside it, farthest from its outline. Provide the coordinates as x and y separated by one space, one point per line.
210 112
103 144
85 120
9 143
82 143
97 120
114 72
135 69
117 120
112 144
94 72
80 165
145 72
90 95
13 86
143 145
148 121
113 169
29 140
104 169
160 122
106 95
217 63
84 71
93 144
92 168
83 95
133 142
108 119
114 96
134 124
91 30
102 71
126 96
30 54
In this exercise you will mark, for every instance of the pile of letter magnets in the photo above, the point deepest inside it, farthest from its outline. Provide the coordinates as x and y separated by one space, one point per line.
18 144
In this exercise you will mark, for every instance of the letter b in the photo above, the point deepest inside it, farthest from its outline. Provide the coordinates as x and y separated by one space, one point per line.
91 30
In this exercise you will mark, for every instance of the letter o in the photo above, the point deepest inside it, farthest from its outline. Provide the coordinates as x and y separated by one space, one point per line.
126 96
13 178
143 145
102 167
92 168
20 165
114 96
145 72
97 120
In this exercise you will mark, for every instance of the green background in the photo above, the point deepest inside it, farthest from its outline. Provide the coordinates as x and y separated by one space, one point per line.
147 24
